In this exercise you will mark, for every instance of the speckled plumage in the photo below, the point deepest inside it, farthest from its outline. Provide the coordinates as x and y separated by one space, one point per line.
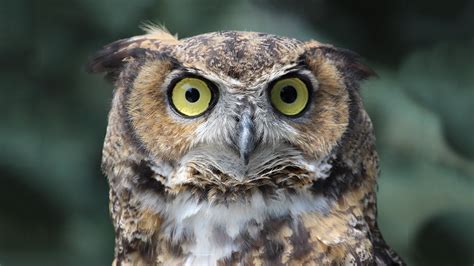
179 193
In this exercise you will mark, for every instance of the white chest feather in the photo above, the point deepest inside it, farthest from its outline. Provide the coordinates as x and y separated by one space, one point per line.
214 229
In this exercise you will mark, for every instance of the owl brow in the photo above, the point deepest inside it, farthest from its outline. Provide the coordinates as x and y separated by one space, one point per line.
302 62
180 71
299 69
299 65
187 70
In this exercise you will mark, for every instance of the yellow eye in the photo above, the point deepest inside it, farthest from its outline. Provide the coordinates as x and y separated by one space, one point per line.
289 96
191 97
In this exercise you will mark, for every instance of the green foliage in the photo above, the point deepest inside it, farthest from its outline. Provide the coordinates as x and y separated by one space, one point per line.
53 198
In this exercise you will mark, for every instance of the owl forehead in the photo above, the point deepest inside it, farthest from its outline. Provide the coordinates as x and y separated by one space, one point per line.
242 56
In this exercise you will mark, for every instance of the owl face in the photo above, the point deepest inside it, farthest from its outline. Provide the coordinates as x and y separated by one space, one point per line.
234 112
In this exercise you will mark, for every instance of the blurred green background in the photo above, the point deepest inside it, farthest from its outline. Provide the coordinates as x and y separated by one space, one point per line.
53 197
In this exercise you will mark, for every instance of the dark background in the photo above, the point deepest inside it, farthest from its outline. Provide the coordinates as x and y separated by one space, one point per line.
53 198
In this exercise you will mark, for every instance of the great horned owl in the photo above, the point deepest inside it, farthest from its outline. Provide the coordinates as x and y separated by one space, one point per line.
239 148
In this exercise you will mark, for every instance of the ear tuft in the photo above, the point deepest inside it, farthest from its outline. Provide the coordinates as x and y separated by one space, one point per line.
353 64
112 57
348 63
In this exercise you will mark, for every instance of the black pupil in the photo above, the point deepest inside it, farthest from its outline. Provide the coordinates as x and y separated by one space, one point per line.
192 95
288 94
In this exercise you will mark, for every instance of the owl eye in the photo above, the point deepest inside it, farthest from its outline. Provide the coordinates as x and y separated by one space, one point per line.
191 97
289 96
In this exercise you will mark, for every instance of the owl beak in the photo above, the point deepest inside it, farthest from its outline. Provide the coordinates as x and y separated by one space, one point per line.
246 139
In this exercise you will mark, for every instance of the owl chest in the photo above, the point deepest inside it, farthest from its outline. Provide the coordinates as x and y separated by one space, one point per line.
279 232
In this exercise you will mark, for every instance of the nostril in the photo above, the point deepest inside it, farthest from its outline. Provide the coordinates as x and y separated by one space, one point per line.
237 119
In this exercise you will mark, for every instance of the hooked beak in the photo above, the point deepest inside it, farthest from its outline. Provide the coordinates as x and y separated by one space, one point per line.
246 140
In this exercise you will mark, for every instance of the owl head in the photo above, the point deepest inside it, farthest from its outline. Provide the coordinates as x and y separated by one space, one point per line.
225 114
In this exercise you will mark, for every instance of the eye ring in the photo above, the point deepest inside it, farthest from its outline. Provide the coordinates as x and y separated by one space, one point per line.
192 96
290 95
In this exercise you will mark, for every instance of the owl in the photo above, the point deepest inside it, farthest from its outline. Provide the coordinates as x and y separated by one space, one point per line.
239 148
